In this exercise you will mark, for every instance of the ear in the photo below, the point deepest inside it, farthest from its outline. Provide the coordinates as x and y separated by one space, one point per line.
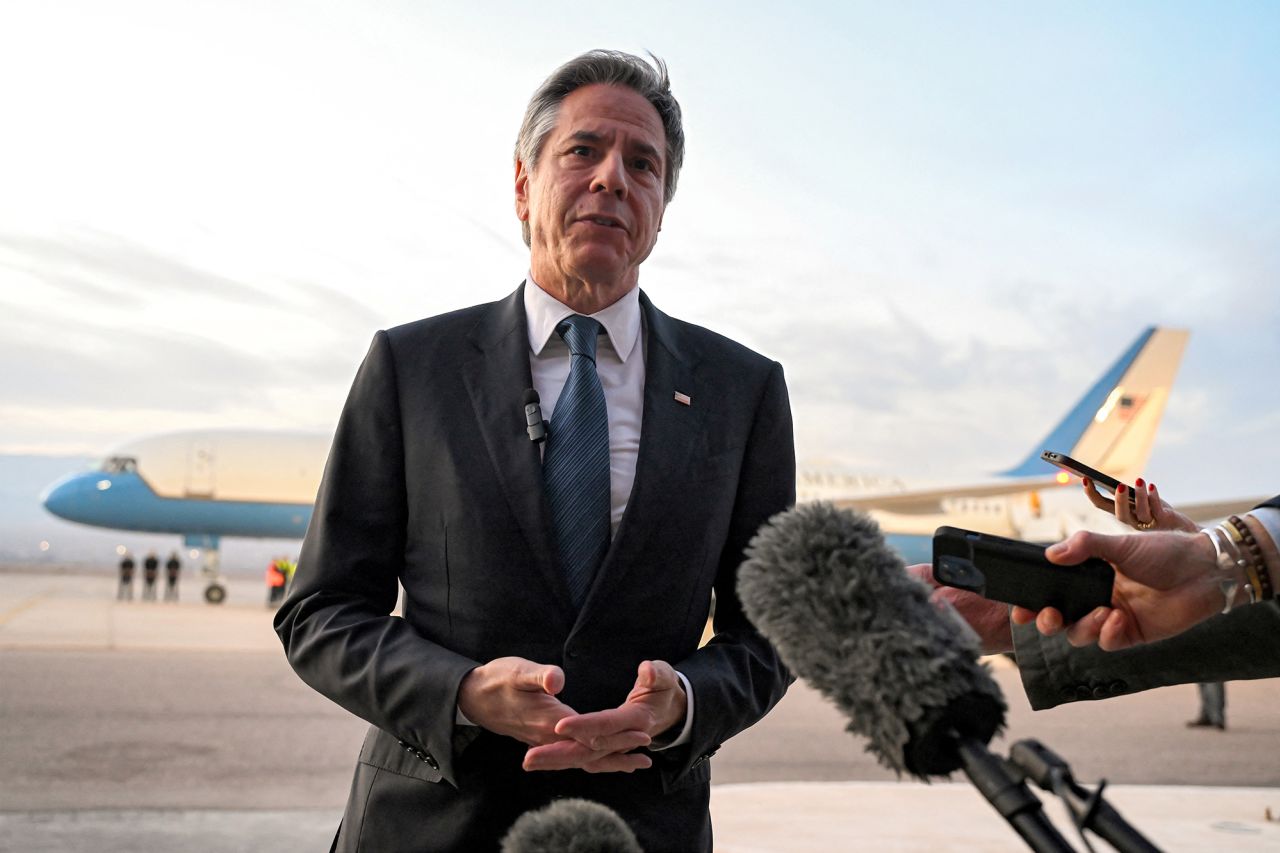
522 192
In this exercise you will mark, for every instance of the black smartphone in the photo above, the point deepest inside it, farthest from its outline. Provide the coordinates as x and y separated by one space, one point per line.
1106 481
1016 572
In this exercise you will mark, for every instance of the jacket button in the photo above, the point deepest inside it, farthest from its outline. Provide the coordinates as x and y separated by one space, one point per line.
1067 692
1118 687
1083 691
1101 692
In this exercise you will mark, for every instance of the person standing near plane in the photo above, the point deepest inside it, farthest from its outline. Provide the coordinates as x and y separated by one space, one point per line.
554 592
172 569
150 572
125 591
275 583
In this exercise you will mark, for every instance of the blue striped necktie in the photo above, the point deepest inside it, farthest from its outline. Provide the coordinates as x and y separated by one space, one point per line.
575 464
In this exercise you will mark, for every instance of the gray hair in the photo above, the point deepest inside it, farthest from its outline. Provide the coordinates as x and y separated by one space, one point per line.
610 67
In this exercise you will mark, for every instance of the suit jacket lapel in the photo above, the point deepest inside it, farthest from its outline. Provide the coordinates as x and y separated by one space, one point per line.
668 431
495 379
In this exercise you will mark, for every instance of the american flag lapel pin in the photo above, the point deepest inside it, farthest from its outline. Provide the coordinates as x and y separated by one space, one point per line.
683 399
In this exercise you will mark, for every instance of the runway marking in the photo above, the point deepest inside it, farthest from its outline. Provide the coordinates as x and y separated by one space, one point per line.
20 607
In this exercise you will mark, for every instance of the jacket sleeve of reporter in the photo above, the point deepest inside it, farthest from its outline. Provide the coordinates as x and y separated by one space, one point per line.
1243 644
738 677
336 624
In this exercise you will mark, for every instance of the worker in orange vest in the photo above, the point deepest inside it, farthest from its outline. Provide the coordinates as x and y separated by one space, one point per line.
275 584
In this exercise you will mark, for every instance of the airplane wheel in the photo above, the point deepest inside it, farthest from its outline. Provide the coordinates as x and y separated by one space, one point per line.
215 593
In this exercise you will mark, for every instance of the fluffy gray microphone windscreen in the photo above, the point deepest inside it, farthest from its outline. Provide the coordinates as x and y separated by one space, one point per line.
837 603
571 826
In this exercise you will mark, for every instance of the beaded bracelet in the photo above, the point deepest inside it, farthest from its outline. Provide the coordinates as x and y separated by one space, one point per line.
1257 565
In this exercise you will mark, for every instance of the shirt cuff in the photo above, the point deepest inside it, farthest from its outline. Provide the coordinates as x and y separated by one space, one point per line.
460 718
686 733
1269 518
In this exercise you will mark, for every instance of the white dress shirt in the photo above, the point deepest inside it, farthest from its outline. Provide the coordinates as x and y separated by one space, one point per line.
620 360
620 365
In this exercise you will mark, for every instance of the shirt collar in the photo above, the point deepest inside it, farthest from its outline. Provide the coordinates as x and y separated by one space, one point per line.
543 312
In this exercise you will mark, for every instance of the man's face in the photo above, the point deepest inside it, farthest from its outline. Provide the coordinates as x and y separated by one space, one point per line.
594 204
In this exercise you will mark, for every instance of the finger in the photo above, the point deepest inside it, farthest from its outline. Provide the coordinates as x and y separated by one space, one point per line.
560 755
620 742
1123 511
1142 507
585 728
1021 615
539 678
654 675
1074 549
568 754
923 572
1085 632
1114 634
1097 498
619 763
1154 505
1049 621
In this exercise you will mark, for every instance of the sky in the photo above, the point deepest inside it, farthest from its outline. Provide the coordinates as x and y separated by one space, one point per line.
944 219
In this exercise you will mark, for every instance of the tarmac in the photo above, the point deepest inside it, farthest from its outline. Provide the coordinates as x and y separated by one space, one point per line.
47 618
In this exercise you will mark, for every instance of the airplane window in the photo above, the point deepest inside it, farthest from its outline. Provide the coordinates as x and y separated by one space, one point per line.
120 465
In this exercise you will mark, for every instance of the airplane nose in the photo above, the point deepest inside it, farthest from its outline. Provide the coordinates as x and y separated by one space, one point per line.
59 497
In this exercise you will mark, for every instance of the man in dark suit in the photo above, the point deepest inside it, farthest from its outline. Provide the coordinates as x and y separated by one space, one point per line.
555 595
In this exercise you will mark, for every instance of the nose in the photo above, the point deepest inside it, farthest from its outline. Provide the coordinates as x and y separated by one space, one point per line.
611 175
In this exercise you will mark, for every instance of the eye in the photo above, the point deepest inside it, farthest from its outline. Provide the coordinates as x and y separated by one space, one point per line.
580 151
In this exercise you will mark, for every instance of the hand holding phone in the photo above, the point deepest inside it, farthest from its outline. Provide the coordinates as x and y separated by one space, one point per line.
1015 572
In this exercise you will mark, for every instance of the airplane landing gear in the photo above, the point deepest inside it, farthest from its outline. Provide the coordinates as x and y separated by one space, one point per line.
215 588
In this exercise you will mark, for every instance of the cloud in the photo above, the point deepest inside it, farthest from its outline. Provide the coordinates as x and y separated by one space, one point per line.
84 261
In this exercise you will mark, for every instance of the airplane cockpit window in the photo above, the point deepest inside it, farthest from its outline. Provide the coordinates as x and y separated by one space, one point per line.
120 465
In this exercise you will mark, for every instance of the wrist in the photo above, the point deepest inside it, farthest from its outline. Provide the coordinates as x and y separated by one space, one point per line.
1227 568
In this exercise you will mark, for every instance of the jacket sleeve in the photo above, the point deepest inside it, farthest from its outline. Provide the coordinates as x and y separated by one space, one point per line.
1243 644
738 677
336 624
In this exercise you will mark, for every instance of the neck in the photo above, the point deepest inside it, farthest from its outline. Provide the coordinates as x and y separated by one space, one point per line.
585 296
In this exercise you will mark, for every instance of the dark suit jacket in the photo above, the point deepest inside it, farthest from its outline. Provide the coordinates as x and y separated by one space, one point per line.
1243 644
433 482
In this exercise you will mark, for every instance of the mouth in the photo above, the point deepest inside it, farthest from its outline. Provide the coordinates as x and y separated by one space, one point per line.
603 221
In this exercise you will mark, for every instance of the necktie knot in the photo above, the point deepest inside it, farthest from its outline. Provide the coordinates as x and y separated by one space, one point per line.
580 334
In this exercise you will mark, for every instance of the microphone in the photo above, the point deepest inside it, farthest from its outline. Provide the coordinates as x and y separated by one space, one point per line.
570 826
842 611
536 426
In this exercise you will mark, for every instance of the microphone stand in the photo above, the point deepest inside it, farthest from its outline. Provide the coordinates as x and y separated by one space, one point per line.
1011 797
1052 773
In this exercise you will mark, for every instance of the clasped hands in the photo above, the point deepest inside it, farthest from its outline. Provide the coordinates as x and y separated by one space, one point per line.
517 697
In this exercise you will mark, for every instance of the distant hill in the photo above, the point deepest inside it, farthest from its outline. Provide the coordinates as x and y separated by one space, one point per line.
24 525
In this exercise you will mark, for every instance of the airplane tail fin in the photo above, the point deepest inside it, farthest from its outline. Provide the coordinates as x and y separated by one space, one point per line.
1114 425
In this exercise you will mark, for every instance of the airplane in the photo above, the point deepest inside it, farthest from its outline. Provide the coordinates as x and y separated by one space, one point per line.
202 485
208 484
1113 427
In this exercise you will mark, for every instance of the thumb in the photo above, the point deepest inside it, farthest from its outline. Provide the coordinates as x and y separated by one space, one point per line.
1080 546
547 679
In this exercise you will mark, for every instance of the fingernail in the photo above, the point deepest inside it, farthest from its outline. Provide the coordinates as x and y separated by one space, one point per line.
1151 487
1120 489
1055 549
1140 483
